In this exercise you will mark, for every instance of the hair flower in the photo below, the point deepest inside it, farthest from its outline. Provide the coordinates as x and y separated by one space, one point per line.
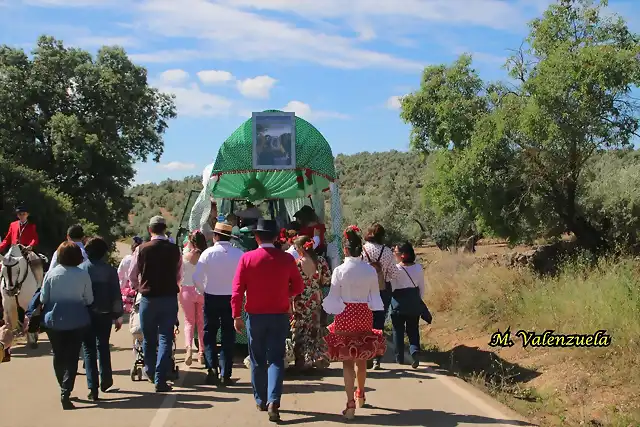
308 245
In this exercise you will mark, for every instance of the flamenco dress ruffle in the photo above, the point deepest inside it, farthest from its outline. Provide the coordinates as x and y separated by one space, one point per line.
352 337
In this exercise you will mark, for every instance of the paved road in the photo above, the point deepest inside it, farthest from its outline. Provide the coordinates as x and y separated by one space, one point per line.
29 396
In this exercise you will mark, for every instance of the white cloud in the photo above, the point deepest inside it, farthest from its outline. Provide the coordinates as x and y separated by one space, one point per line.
223 31
214 76
192 101
257 87
304 110
174 76
177 166
393 103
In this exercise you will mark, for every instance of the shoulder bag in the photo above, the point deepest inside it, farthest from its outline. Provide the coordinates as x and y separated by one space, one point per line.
408 301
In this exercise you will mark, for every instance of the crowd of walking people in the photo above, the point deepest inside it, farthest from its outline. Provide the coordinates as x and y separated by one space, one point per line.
279 286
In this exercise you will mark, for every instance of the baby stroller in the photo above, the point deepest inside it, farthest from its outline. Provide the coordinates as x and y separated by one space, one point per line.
138 354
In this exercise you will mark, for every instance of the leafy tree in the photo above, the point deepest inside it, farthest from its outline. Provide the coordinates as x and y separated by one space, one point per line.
512 154
82 121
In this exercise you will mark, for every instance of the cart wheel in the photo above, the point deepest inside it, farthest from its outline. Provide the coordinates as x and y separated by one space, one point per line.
133 373
139 372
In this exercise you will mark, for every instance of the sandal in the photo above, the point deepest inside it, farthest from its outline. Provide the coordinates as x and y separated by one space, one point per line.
359 397
350 412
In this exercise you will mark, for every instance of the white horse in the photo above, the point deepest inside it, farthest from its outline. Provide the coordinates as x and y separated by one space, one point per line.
18 283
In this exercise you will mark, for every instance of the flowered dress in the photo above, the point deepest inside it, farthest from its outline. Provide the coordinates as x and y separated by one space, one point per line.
306 328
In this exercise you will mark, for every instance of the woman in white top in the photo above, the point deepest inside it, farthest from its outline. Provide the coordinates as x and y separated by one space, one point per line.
353 297
409 275
191 300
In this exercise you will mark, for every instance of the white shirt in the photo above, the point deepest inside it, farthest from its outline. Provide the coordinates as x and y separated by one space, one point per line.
294 252
355 281
54 258
188 271
387 260
123 270
404 279
216 267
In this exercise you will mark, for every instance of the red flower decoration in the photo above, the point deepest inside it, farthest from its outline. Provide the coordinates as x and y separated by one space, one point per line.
308 245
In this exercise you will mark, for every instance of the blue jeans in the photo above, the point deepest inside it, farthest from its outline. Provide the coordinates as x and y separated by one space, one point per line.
408 324
217 316
267 335
96 348
158 317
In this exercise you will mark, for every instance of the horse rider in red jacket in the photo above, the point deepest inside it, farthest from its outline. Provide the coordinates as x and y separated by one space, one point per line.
23 232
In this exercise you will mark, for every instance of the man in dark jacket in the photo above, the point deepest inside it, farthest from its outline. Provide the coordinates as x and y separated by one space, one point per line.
107 309
156 271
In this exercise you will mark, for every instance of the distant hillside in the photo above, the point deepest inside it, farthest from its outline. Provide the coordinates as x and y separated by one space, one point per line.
381 187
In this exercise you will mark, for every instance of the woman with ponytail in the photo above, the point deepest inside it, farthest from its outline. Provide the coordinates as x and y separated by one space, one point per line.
405 312
191 300
306 326
353 298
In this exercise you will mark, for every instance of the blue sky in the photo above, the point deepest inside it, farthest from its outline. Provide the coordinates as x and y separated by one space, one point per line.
338 63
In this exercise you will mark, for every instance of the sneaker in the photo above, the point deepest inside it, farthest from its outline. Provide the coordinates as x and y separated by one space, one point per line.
67 405
93 396
376 365
106 386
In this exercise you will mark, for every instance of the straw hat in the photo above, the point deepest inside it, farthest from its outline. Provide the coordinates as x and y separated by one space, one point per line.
224 229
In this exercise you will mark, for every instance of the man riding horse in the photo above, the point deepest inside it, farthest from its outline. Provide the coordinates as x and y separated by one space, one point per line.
24 233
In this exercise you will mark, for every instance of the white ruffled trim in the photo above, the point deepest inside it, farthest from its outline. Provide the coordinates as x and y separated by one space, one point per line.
375 302
334 305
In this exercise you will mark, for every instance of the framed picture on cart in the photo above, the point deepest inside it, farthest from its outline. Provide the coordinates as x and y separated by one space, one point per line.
274 136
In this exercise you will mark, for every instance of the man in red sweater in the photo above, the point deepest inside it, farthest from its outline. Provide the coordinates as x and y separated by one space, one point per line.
270 278
23 232
20 231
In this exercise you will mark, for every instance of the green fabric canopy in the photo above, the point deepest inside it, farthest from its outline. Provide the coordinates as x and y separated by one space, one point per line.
235 176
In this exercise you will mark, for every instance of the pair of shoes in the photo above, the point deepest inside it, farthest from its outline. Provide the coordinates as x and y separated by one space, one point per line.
93 395
274 412
212 377
163 388
189 360
359 397
350 411
67 405
106 386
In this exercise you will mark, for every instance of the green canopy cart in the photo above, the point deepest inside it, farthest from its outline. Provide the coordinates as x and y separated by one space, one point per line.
233 179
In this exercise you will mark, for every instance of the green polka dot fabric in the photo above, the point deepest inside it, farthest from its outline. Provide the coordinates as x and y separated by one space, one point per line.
234 163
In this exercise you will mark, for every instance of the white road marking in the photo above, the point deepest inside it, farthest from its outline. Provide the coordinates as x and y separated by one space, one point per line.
162 414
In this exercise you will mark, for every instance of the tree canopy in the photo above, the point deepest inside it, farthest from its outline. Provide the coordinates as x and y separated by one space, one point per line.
513 155
82 122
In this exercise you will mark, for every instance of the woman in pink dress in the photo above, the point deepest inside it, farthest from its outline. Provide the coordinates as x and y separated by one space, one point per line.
353 297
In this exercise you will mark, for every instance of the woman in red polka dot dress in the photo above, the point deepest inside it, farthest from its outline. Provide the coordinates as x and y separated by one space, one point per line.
352 340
